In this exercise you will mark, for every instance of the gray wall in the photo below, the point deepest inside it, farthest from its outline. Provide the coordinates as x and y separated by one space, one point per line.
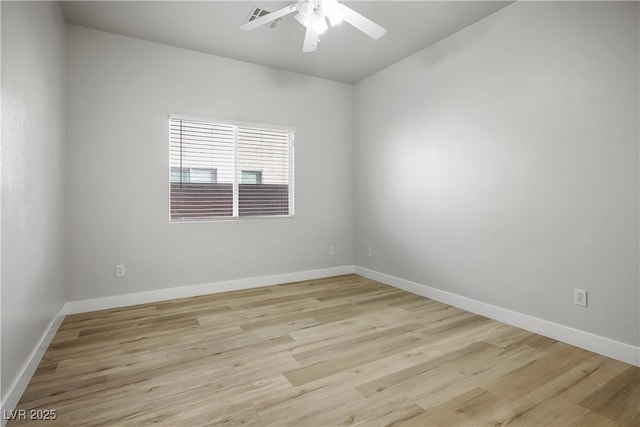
33 106
501 164
120 92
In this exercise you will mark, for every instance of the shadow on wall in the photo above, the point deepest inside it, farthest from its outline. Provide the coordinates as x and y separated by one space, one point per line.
284 79
452 46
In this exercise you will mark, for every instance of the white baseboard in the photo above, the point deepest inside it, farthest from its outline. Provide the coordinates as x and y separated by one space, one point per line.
31 364
595 343
116 301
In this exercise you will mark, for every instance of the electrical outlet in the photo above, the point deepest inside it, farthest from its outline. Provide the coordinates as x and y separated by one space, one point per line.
332 250
580 297
369 252
120 270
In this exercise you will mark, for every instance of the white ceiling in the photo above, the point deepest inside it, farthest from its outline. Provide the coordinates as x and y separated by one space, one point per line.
345 54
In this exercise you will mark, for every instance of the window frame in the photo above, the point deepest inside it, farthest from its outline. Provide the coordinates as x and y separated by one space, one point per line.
236 180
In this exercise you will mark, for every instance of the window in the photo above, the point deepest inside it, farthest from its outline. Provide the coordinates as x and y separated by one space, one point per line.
251 177
194 174
229 170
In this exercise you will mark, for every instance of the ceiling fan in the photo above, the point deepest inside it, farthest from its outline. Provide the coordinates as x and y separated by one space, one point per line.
313 14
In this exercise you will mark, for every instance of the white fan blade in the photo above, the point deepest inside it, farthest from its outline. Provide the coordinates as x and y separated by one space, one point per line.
269 17
365 25
311 39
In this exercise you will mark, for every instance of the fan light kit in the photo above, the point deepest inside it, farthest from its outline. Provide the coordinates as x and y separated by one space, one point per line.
313 15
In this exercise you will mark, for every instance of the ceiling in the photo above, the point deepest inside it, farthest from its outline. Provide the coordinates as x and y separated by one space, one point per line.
344 54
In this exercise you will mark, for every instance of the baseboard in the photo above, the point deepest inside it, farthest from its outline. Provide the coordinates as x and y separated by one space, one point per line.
586 340
31 364
116 301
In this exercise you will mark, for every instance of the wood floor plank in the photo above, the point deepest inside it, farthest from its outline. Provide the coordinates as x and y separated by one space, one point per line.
618 399
397 380
536 374
327 352
559 412
477 407
362 340
343 361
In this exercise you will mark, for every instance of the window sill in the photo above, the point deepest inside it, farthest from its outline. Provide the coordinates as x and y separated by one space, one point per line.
228 219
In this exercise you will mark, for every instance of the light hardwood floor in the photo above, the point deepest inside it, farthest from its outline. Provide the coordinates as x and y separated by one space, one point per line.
337 351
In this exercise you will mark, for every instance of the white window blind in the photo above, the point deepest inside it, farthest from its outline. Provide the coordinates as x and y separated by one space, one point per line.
220 170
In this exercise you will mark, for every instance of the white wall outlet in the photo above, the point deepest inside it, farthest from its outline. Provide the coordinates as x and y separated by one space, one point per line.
369 252
580 297
332 250
120 270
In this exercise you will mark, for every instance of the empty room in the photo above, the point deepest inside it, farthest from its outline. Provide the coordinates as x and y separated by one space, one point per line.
320 213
